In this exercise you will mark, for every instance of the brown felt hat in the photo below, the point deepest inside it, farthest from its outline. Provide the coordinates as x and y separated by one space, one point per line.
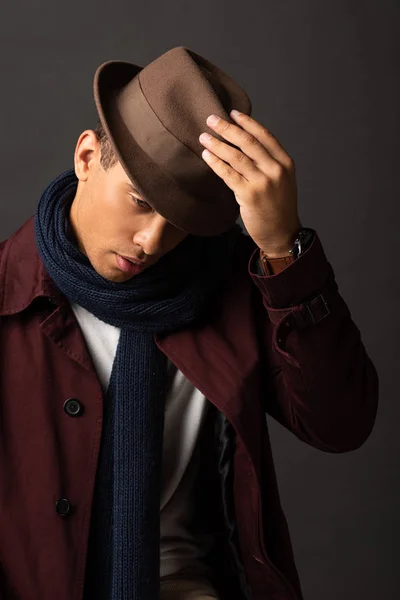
153 116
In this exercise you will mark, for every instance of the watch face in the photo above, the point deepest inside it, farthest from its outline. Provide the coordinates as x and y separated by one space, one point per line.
304 237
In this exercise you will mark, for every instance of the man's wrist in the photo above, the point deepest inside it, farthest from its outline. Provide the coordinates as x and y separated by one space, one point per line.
280 249
299 243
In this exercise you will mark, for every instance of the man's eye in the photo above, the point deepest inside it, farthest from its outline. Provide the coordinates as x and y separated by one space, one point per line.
140 202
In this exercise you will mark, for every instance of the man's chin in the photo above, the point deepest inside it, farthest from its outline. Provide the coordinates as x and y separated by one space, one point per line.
114 275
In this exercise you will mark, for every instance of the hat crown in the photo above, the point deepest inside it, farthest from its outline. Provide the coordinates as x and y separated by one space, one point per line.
183 89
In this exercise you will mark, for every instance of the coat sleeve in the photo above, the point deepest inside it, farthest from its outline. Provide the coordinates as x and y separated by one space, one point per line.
320 382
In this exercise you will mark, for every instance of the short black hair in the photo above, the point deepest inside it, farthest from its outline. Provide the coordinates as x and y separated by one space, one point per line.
108 157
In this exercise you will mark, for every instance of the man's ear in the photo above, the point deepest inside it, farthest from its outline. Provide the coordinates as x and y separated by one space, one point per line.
87 154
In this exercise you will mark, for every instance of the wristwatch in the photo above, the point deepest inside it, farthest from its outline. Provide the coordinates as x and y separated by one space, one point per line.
271 266
302 241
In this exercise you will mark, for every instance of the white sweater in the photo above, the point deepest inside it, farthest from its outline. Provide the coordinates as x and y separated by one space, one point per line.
185 410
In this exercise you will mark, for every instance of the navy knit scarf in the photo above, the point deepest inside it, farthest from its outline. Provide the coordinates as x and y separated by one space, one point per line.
123 555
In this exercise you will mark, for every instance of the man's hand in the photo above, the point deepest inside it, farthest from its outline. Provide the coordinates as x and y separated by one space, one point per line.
261 175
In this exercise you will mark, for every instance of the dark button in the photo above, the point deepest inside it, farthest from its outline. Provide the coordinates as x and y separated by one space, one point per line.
73 407
63 507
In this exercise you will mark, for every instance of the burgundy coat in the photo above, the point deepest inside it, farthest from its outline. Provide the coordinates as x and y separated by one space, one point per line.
283 345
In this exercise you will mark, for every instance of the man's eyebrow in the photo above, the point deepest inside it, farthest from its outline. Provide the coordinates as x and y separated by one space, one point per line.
132 187
128 183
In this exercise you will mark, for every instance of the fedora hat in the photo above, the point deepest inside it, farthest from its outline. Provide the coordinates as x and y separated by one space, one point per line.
153 116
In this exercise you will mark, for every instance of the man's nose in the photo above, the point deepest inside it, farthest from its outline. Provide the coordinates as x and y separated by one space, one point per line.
152 239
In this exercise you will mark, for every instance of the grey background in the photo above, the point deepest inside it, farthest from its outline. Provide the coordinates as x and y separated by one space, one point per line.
323 76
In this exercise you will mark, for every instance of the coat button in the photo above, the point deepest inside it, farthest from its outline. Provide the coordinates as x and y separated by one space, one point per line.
63 507
73 407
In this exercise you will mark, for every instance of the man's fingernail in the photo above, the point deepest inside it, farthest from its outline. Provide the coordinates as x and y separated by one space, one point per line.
212 120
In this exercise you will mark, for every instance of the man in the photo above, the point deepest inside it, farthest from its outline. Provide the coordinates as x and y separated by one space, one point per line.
143 339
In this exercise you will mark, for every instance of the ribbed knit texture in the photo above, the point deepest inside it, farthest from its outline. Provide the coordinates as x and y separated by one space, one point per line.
123 554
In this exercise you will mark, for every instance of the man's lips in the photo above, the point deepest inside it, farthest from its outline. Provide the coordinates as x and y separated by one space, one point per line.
135 261
128 266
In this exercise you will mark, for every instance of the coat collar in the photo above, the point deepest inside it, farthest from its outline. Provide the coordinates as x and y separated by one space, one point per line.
22 272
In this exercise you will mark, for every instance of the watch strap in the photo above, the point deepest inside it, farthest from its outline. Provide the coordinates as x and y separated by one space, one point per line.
273 266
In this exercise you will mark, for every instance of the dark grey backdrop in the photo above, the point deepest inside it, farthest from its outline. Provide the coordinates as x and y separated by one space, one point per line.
323 76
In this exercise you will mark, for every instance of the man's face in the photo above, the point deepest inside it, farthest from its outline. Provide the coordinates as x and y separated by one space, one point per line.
111 221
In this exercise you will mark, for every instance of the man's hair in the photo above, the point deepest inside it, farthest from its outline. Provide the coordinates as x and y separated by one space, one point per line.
108 157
